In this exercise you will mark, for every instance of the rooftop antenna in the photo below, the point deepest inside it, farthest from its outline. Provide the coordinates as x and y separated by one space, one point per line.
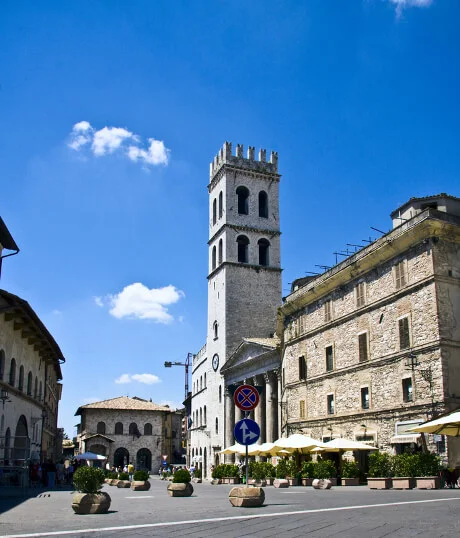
325 267
356 246
311 273
377 230
370 240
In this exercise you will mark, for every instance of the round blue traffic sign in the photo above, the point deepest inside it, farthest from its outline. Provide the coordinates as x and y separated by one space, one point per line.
246 431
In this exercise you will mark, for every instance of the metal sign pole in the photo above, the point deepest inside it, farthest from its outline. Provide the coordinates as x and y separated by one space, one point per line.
246 460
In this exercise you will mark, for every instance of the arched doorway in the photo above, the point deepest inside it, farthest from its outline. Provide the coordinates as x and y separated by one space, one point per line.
121 457
144 459
21 441
98 449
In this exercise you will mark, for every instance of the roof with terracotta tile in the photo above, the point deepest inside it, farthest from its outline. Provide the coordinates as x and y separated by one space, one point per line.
125 403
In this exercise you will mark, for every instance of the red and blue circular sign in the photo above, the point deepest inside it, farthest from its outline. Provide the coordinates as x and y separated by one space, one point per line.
246 397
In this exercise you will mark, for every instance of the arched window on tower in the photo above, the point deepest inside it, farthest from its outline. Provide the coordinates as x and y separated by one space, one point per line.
205 380
220 393
29 384
220 251
21 378
263 204
220 204
217 425
204 415
214 211
215 327
2 364
243 243
213 258
243 200
263 251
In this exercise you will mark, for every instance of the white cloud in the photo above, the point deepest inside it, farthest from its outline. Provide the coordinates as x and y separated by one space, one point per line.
110 140
147 379
99 301
403 4
156 153
124 378
138 301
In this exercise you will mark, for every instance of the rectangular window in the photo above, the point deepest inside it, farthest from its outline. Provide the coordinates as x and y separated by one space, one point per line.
360 294
328 311
330 404
407 389
302 409
365 398
400 275
329 358
363 347
302 369
404 333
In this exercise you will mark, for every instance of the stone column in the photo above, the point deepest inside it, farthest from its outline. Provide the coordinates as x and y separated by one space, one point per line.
278 406
269 424
259 412
229 423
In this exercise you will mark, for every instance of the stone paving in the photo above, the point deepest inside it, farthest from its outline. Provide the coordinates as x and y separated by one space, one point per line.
292 512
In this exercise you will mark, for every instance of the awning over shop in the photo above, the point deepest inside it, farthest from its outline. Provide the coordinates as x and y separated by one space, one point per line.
403 439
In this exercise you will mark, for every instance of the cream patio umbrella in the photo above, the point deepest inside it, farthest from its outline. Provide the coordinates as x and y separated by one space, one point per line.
343 445
297 442
234 449
446 425
267 449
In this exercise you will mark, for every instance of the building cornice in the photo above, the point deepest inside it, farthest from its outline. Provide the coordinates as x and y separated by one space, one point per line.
258 174
256 268
242 228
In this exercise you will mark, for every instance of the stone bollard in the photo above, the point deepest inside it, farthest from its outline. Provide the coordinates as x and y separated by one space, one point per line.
180 489
244 496
319 483
281 483
140 485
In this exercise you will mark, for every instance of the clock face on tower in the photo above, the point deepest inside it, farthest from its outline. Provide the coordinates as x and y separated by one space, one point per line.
215 362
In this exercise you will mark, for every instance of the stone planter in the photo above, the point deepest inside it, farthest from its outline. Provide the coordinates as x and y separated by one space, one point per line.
196 480
307 481
354 481
124 484
216 481
113 482
428 482
180 489
244 497
293 481
403 482
322 483
140 485
281 483
261 483
379 483
232 480
270 480
91 503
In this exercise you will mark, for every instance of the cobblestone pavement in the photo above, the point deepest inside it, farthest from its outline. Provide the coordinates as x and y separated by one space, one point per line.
292 512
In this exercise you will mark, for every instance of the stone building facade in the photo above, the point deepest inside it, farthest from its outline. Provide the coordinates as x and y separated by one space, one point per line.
372 346
244 285
132 430
30 375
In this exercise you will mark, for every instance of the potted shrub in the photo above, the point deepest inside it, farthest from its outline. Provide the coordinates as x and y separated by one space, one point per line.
325 469
123 480
232 474
217 474
257 471
197 476
270 472
282 469
180 485
140 481
112 478
292 472
307 473
88 481
380 470
404 471
350 473
428 468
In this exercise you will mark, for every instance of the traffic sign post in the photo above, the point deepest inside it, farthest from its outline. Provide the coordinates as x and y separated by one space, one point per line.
246 431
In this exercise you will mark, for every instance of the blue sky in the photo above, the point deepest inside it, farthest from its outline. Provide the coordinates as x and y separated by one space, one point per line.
110 112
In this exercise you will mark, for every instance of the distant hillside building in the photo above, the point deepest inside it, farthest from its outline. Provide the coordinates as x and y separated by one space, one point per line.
131 430
372 346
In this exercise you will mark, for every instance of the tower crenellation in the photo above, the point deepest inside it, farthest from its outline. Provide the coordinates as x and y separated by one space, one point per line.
225 156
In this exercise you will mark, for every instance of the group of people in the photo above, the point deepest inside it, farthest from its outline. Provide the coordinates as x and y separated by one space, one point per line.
50 474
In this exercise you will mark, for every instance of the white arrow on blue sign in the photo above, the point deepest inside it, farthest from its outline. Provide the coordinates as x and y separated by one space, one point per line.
246 431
